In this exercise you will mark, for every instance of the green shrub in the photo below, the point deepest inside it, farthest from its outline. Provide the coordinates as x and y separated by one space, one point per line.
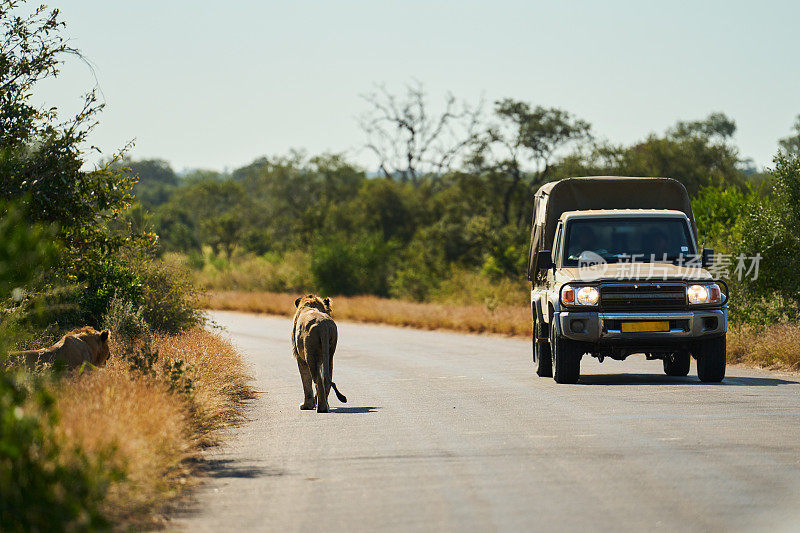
413 283
289 272
44 488
420 270
125 321
113 278
464 287
347 267
169 299
716 211
768 227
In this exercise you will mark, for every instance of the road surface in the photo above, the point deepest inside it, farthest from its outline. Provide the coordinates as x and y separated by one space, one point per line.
451 432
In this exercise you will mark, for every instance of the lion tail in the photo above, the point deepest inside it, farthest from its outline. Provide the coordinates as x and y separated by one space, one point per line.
324 365
342 397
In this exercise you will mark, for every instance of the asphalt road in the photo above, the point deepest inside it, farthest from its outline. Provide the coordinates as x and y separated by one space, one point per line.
450 432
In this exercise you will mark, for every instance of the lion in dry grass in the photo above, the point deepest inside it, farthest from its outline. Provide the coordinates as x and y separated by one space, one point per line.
314 337
79 346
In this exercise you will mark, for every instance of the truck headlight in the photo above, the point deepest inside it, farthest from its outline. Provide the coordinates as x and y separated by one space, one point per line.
704 294
579 295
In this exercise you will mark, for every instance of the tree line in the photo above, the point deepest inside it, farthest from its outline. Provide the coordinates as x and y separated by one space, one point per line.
452 194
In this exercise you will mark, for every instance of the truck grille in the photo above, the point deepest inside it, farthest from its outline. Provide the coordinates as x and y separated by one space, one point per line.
642 296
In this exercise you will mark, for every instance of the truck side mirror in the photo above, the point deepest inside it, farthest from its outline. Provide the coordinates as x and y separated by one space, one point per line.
544 260
708 257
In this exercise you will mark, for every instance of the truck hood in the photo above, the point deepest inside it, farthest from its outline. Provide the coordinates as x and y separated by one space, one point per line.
635 271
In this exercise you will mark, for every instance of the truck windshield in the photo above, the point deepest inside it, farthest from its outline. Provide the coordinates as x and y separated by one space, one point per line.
626 239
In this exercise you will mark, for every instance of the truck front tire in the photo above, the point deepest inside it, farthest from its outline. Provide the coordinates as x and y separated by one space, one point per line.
566 355
711 359
541 352
711 355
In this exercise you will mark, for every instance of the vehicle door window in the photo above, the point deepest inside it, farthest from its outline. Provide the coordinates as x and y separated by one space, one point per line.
557 245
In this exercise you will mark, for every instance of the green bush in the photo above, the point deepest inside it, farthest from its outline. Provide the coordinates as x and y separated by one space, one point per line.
44 488
288 272
755 222
169 299
347 267
716 211
136 292
125 321
464 287
103 282
769 227
420 271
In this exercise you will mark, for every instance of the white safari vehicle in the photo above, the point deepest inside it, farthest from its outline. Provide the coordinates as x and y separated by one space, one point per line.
615 270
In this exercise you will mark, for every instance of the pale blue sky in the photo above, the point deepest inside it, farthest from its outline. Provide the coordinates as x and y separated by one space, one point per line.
216 84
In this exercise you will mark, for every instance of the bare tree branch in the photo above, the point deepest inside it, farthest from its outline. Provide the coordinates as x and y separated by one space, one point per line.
408 140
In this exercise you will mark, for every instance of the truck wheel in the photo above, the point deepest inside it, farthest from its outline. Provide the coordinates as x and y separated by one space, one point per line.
711 359
566 355
541 353
677 364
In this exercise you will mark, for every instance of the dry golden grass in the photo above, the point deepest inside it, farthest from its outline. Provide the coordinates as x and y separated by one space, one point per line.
150 429
219 375
141 422
503 319
775 347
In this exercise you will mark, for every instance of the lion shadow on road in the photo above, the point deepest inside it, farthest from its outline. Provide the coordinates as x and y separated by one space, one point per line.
354 409
655 379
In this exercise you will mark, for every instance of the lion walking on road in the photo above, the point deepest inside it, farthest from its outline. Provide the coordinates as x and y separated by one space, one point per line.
314 337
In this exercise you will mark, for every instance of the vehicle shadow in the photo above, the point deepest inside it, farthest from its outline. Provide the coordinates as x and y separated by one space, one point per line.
354 409
655 379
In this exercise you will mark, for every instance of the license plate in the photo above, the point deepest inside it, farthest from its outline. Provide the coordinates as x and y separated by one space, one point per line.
632 327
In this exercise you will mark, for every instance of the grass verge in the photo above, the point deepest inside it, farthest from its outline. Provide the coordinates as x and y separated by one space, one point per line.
148 421
776 347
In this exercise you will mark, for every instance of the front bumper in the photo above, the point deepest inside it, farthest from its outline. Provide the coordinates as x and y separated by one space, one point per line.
601 327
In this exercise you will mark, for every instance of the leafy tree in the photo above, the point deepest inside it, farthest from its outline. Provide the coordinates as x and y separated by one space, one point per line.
348 266
385 207
522 144
716 126
24 249
716 211
206 212
155 181
697 153
41 159
222 232
31 50
768 227
791 144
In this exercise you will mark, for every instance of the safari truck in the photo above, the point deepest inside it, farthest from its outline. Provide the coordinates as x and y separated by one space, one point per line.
616 271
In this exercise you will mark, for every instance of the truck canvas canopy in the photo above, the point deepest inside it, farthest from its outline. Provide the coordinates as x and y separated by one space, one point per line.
600 192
